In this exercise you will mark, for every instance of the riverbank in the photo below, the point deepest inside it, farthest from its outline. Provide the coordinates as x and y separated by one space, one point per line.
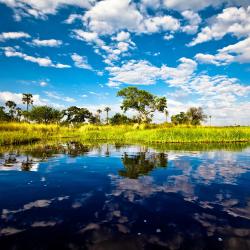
19 133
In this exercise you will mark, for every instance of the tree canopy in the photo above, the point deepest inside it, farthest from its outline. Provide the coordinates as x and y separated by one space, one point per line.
143 102
44 114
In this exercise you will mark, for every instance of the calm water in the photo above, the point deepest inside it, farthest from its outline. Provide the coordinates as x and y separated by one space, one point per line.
73 196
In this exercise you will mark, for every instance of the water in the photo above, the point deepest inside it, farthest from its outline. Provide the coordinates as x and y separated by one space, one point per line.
73 196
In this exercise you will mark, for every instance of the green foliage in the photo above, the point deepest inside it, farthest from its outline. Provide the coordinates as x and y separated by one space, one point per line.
107 109
4 116
28 100
120 119
193 116
196 115
16 133
181 118
143 102
12 109
44 114
74 114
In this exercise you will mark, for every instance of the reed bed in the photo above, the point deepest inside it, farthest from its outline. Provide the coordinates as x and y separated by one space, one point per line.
18 133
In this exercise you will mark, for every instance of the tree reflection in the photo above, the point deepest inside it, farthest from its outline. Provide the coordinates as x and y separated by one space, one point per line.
27 164
142 164
10 160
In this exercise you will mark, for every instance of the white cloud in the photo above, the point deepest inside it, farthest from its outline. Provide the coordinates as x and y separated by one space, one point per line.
46 43
193 20
57 96
81 61
17 98
13 35
41 61
122 36
133 72
190 5
90 37
109 16
144 73
238 52
43 83
194 5
72 17
41 8
168 37
233 20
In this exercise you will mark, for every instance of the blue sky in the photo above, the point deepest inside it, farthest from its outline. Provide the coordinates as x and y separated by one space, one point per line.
81 52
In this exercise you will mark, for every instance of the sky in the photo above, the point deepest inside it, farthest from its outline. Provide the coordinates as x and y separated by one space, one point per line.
81 52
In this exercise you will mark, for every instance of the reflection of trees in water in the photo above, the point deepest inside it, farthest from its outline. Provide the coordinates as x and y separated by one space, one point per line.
10 160
142 163
27 164
76 148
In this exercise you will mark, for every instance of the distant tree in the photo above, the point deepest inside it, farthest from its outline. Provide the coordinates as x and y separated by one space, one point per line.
74 114
180 118
99 111
3 116
120 119
44 114
28 100
94 119
107 109
12 109
143 102
196 115
19 113
166 113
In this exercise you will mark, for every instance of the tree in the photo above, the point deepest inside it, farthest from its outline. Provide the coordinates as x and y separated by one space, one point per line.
143 102
120 119
76 115
99 111
196 115
180 118
28 100
12 109
3 116
44 114
107 109
19 113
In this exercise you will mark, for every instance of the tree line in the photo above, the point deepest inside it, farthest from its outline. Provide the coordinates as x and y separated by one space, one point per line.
143 102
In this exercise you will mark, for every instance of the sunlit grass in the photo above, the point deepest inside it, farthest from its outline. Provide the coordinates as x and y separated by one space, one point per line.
18 133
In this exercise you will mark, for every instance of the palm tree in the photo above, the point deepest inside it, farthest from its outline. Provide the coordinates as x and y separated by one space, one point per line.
99 111
12 108
107 109
27 99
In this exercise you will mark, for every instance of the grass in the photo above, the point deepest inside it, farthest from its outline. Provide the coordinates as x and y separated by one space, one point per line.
19 133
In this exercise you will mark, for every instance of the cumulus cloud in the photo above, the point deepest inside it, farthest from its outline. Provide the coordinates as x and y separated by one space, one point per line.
194 5
41 8
238 52
46 43
17 98
233 20
111 16
13 35
41 61
193 21
81 61
134 72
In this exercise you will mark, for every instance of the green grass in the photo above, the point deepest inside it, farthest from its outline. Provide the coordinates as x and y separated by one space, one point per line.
19 133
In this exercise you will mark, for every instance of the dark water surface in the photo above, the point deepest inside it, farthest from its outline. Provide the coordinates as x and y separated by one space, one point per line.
73 196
